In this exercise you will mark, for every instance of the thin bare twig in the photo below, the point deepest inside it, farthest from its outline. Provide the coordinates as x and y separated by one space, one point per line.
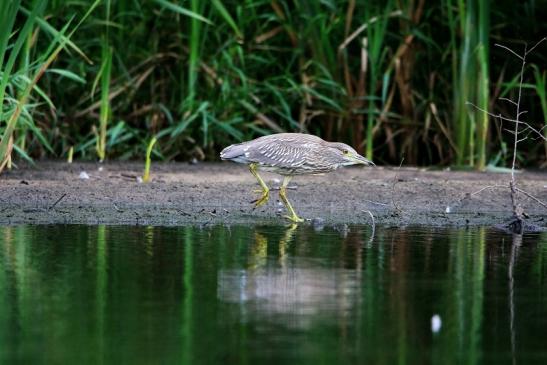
535 45
532 197
509 100
516 121
373 202
517 210
487 187
510 50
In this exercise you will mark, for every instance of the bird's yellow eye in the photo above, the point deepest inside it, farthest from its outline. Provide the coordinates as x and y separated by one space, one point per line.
345 152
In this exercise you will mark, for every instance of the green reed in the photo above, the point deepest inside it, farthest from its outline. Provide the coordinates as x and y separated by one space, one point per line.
30 72
540 80
200 75
375 48
472 82
483 82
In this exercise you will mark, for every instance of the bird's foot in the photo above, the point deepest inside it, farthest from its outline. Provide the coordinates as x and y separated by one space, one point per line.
294 218
263 199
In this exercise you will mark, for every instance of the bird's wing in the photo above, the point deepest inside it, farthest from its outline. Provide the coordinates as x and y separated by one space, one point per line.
283 153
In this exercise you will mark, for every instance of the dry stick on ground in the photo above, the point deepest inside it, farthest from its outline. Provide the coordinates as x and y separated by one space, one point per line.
398 209
57 202
531 197
517 224
450 207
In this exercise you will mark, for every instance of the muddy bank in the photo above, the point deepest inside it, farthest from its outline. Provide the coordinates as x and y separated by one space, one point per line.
212 193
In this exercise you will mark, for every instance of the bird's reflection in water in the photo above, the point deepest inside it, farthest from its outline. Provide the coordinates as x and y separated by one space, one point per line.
287 289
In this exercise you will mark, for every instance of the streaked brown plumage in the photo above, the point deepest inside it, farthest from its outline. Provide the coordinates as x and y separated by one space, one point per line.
290 154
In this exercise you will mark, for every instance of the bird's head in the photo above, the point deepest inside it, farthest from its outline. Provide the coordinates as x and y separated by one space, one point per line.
347 155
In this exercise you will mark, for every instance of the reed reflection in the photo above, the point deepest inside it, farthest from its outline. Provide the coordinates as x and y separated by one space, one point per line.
270 295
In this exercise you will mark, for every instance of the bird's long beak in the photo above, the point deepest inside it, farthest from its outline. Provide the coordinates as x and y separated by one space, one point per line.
361 160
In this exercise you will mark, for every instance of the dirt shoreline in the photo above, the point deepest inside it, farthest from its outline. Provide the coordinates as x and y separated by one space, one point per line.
220 193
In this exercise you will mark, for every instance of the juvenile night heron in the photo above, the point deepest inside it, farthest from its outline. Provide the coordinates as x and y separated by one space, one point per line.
291 154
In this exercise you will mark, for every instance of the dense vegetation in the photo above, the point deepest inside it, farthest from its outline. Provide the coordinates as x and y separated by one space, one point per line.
100 79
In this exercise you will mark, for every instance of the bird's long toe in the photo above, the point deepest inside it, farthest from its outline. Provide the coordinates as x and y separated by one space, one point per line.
294 218
263 199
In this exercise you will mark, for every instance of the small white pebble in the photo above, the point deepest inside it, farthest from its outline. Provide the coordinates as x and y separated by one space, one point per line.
100 168
276 181
84 175
436 323
448 209
139 179
318 224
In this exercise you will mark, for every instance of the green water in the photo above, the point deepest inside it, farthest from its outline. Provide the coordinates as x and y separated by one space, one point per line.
270 294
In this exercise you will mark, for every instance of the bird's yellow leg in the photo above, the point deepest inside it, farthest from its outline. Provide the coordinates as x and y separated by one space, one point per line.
265 190
283 195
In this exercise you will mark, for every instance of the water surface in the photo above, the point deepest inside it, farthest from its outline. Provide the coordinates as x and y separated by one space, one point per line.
271 294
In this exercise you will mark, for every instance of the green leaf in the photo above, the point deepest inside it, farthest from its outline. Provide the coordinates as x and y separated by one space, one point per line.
14 52
23 154
68 74
44 25
227 17
183 11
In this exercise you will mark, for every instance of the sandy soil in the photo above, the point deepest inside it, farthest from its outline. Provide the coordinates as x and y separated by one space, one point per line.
210 193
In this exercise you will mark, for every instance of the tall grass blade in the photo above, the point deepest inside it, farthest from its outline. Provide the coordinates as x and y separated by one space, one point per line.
18 44
51 30
179 9
483 83
194 55
219 6
105 99
376 33
148 161
45 60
